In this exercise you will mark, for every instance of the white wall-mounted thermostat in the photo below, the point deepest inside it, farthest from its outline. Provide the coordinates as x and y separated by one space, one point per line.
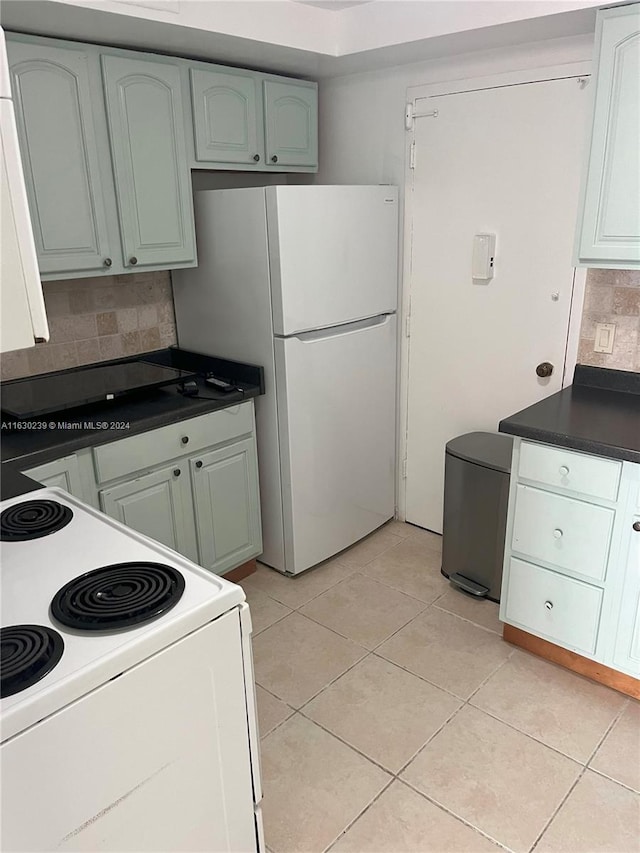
484 250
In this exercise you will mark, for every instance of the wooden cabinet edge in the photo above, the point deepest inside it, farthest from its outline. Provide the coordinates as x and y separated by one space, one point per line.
241 572
613 678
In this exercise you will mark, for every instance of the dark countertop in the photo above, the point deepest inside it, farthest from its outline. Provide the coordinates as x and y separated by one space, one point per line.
14 483
25 448
598 414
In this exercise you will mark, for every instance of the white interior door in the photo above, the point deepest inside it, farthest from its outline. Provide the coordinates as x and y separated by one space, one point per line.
505 161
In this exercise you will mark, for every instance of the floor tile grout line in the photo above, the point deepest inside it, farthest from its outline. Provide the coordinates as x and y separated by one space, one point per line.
514 728
271 693
350 639
350 745
333 680
464 618
608 731
572 787
429 740
585 767
527 734
417 675
359 815
453 814
615 781
262 630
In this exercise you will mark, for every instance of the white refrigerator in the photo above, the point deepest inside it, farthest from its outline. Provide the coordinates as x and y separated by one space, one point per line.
303 281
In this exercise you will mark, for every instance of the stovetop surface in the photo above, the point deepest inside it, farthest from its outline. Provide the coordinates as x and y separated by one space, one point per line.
34 571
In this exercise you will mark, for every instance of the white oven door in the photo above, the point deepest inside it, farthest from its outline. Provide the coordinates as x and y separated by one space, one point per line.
155 760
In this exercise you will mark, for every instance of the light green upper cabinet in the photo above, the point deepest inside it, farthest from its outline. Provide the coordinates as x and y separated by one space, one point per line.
609 229
153 186
55 119
291 124
226 118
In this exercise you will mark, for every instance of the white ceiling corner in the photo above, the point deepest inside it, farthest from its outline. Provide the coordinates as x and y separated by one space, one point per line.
332 5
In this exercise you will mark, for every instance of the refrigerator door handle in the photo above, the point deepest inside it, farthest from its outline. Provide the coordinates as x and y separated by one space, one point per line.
344 329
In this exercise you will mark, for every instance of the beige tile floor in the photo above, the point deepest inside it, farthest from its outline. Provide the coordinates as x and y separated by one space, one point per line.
394 718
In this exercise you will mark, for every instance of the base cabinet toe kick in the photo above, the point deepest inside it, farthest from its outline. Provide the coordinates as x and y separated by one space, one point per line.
571 580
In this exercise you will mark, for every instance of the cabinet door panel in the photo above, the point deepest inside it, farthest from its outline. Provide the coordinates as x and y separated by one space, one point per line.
627 648
157 505
225 488
60 156
62 473
153 185
611 223
291 124
225 118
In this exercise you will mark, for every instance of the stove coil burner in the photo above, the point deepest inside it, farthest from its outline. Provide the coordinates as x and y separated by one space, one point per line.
27 654
118 596
33 519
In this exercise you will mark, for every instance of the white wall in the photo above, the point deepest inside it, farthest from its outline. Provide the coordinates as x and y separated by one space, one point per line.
361 122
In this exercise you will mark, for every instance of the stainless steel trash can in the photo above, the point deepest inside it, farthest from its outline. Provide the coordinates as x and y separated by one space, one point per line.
476 493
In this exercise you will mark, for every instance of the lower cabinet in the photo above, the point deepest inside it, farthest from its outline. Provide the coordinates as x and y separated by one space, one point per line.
226 500
572 553
204 503
73 473
626 653
157 504
61 473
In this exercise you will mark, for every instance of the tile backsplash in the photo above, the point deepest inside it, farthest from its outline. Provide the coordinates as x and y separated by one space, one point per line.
97 319
612 296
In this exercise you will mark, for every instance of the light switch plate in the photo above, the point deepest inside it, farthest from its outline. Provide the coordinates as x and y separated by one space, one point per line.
605 334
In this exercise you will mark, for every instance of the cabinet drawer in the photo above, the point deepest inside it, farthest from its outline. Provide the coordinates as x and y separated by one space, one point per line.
569 533
128 455
554 466
563 610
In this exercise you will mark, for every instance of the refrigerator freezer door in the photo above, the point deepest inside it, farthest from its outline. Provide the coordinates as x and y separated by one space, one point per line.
336 412
333 254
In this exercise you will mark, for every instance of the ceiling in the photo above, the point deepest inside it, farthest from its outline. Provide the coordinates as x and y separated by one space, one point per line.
332 5
298 38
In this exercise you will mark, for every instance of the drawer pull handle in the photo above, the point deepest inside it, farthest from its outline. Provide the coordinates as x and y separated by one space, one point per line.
636 526
549 605
199 463
176 472
185 439
563 470
557 533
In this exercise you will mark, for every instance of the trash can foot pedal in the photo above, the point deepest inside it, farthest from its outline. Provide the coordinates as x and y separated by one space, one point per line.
468 585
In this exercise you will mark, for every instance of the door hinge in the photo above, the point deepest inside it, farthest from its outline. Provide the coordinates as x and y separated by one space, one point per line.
404 468
412 155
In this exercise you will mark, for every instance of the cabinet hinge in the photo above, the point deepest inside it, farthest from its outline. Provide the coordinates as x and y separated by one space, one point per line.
412 155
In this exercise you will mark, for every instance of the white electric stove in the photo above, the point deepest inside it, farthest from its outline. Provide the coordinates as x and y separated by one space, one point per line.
128 707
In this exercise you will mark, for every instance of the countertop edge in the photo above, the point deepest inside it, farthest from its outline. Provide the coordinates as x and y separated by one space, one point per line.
585 445
94 439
